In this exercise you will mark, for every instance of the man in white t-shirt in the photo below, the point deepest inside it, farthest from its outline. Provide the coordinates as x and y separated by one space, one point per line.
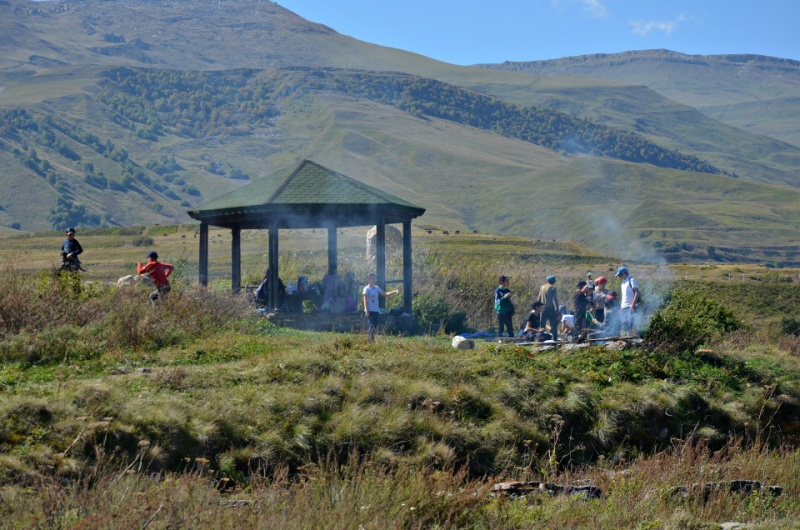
630 299
372 306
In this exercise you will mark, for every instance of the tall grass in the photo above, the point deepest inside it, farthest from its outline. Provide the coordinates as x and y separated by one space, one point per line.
45 318
364 494
196 392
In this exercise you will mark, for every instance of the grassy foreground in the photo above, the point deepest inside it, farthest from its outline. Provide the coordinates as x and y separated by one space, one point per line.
114 415
362 495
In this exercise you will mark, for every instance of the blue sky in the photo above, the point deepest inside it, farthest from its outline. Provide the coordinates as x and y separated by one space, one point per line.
469 32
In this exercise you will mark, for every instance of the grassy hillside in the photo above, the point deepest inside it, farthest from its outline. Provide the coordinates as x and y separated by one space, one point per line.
775 117
631 210
179 162
752 92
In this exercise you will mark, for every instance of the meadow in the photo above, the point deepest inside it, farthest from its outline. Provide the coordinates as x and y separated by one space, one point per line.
201 413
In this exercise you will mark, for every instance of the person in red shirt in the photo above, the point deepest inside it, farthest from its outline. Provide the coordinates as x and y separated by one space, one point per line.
159 272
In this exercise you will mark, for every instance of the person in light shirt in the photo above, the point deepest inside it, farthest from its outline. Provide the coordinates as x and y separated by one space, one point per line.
629 302
372 306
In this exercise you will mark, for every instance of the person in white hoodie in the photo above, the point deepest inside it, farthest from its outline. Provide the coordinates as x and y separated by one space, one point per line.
372 306
629 302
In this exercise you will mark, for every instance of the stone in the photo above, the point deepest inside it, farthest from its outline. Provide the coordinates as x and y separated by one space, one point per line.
460 343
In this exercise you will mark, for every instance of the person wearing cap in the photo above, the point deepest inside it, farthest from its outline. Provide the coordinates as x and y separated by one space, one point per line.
504 307
159 272
581 303
71 249
629 302
548 296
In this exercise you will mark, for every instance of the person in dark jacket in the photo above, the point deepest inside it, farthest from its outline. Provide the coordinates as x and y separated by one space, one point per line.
70 250
262 293
504 303
581 304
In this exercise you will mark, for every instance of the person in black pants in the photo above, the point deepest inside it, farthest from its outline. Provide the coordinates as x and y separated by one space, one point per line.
548 296
581 304
534 330
504 303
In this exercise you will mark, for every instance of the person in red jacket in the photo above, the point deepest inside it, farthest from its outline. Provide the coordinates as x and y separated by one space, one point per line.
159 272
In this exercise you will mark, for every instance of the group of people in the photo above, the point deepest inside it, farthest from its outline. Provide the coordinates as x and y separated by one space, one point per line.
595 307
159 272
596 310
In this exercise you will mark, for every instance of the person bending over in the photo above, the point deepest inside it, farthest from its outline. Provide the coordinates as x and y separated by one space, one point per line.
159 272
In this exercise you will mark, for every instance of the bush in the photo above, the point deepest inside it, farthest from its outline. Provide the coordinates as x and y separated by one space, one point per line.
456 323
191 190
688 320
142 241
790 326
431 312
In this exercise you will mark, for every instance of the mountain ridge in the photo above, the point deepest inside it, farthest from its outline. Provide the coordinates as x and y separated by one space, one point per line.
710 83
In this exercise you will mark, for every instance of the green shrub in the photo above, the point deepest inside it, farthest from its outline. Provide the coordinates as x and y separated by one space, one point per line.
431 311
687 320
60 344
142 241
790 326
456 323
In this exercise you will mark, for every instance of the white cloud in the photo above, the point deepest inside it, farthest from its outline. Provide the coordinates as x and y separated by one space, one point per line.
643 28
595 8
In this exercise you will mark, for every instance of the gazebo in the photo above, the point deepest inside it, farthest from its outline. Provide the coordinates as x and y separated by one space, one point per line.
308 196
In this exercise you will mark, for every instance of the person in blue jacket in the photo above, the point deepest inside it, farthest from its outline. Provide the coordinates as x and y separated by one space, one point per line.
70 250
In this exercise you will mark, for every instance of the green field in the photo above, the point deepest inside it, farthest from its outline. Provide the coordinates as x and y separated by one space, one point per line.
204 403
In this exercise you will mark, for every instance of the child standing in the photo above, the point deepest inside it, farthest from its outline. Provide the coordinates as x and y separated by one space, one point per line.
372 307
504 303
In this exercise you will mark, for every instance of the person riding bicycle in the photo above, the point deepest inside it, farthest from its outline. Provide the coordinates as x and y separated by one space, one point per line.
70 249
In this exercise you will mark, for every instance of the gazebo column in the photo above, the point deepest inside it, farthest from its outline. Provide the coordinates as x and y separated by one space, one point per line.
407 285
274 295
380 257
333 251
203 254
236 259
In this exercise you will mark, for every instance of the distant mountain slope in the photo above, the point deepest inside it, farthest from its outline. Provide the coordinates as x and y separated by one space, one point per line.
762 89
179 34
132 112
469 178
184 34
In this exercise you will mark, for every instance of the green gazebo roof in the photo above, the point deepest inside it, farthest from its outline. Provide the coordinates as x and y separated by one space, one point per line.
308 196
